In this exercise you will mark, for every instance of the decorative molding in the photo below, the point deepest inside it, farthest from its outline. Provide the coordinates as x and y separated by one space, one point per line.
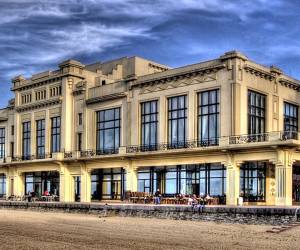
105 98
178 82
39 105
289 84
80 88
169 76
259 72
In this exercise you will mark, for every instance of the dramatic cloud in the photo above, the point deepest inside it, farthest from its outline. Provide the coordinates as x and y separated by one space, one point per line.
35 35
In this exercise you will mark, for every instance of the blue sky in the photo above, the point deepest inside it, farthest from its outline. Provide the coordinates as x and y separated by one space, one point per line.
36 35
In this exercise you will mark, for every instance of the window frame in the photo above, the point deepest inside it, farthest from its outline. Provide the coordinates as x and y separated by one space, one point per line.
245 175
101 128
148 119
255 112
177 143
26 140
2 143
202 114
55 133
40 138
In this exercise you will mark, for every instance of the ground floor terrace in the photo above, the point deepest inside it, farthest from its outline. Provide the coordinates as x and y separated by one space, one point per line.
256 177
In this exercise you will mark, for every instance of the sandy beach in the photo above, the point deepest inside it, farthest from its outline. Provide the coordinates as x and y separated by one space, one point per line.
38 230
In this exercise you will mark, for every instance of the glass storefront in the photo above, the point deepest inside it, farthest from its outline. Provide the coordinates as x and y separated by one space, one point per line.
39 182
108 184
253 181
184 179
2 185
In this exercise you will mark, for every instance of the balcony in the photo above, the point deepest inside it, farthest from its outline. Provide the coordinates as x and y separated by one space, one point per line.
241 139
31 157
224 142
89 153
170 146
271 139
106 92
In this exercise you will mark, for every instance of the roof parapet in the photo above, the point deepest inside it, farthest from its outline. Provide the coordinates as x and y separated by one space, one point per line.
276 70
233 54
71 63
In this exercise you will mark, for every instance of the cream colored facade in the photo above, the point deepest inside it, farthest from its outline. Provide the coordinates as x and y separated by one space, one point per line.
126 83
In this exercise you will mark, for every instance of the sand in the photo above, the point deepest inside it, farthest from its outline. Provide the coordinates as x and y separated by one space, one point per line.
38 230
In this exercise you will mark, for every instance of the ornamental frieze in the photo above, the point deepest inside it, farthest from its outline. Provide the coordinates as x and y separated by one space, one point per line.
178 83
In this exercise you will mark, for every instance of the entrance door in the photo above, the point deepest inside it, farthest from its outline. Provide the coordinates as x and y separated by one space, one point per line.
77 188
296 184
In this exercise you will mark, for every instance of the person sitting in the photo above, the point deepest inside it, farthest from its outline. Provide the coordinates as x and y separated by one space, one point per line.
157 197
190 200
46 193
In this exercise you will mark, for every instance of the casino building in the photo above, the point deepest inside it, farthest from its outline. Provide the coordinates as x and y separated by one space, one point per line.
226 127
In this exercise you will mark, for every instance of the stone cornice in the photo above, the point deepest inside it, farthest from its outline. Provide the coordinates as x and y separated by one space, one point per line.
176 76
259 72
289 84
39 82
105 98
38 105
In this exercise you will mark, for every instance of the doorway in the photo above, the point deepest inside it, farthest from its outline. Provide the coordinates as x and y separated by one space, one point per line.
296 184
77 188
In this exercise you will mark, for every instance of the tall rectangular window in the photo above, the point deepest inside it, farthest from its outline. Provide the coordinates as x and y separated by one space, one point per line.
256 112
55 134
79 118
2 143
26 151
290 121
253 181
2 185
208 117
177 121
12 153
149 122
40 139
79 141
212 179
108 131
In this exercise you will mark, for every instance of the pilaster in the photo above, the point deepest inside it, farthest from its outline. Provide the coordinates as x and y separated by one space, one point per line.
284 178
65 184
131 181
85 184
232 182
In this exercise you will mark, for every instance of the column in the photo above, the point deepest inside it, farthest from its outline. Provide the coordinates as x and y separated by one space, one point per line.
284 184
18 184
192 117
163 122
65 184
85 184
232 183
131 179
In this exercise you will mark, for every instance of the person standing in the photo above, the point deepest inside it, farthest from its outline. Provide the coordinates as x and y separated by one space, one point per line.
157 197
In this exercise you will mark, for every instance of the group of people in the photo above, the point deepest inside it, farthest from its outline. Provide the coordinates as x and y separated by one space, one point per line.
32 194
196 203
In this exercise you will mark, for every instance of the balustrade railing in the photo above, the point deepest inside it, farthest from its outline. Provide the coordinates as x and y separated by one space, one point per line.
68 154
176 145
32 157
92 152
286 135
241 139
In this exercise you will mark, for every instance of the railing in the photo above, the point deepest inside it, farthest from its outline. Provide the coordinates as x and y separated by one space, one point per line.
169 146
68 154
92 152
286 135
32 157
241 139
